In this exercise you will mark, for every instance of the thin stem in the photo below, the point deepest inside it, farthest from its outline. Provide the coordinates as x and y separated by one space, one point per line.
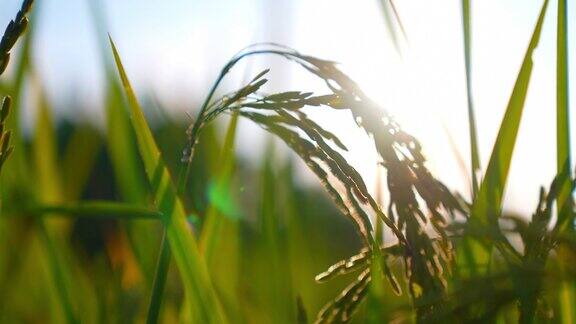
159 281
196 127
474 155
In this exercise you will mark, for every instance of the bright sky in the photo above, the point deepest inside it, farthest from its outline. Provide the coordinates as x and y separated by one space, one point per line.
177 47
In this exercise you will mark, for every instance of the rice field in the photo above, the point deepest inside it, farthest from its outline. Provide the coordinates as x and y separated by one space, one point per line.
162 221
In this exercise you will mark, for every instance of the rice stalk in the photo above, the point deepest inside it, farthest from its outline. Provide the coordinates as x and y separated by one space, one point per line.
202 302
408 178
5 147
13 31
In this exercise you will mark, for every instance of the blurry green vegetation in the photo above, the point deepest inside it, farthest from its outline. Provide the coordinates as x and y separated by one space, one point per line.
120 226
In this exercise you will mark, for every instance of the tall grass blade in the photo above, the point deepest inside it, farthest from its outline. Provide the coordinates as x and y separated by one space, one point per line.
159 282
221 227
487 205
563 158
474 154
392 19
564 204
51 231
277 287
121 146
220 199
200 294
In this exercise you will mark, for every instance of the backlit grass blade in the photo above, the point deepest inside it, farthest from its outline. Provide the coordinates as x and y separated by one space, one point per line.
51 231
221 226
159 282
129 175
563 158
474 154
121 142
220 200
200 294
565 223
487 204
277 287
96 209
392 19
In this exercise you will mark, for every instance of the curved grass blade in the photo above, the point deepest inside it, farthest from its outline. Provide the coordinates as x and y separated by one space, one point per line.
200 294
488 203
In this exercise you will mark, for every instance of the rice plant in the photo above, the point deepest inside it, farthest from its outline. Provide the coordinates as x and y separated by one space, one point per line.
13 31
172 237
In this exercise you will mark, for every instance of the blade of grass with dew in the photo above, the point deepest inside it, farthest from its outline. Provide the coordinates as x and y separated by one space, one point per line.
487 204
565 223
198 287
474 154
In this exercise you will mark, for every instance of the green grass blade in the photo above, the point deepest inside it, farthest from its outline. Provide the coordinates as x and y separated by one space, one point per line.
121 146
488 203
563 158
96 209
200 294
565 224
277 288
221 225
120 135
52 231
474 154
159 282
221 200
